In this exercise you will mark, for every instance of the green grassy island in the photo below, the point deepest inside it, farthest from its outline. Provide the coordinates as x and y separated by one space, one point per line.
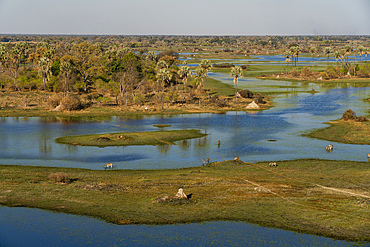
128 139
327 198
342 131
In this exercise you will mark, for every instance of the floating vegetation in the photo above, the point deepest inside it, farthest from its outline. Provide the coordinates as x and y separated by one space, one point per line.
162 125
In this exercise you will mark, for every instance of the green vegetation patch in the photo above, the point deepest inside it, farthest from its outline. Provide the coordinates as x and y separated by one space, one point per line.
350 131
162 125
128 139
327 198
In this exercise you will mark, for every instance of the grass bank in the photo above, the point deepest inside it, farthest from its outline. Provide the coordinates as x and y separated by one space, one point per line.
128 139
344 132
328 198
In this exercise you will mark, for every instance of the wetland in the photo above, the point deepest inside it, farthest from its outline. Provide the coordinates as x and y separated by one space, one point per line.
310 198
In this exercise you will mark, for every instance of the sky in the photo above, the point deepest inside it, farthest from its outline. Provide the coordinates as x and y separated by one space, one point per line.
190 17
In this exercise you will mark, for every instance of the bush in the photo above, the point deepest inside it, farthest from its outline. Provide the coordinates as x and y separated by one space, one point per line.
223 65
258 99
246 94
60 177
349 115
295 72
331 73
306 72
55 100
220 102
364 71
361 119
71 103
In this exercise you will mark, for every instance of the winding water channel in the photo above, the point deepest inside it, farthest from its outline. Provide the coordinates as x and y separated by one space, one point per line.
31 141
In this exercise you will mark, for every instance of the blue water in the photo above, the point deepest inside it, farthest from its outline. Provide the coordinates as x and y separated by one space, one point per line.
33 227
278 60
31 141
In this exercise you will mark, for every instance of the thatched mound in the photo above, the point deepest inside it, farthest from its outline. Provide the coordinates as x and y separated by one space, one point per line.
253 105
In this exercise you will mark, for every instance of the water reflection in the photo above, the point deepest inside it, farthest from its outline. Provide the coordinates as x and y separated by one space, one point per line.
184 144
163 149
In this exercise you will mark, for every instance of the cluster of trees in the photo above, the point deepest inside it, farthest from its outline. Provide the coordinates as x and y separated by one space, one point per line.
112 71
77 67
124 68
342 56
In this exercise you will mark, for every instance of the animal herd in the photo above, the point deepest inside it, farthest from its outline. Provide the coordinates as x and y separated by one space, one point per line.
328 148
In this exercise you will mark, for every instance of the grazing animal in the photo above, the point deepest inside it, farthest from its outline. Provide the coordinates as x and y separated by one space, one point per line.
237 159
329 148
272 164
108 165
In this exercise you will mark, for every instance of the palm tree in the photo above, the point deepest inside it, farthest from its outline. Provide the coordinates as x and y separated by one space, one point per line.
327 51
348 50
337 55
361 50
3 59
151 56
237 73
163 75
295 52
161 65
13 68
287 60
207 65
345 58
44 66
312 51
199 73
184 73
65 69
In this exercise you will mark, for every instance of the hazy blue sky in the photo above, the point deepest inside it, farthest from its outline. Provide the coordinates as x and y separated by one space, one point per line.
190 17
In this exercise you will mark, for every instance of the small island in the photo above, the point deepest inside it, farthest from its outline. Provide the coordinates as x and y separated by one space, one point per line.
350 129
129 139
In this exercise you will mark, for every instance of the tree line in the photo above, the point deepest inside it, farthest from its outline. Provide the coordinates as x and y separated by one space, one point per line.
117 71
